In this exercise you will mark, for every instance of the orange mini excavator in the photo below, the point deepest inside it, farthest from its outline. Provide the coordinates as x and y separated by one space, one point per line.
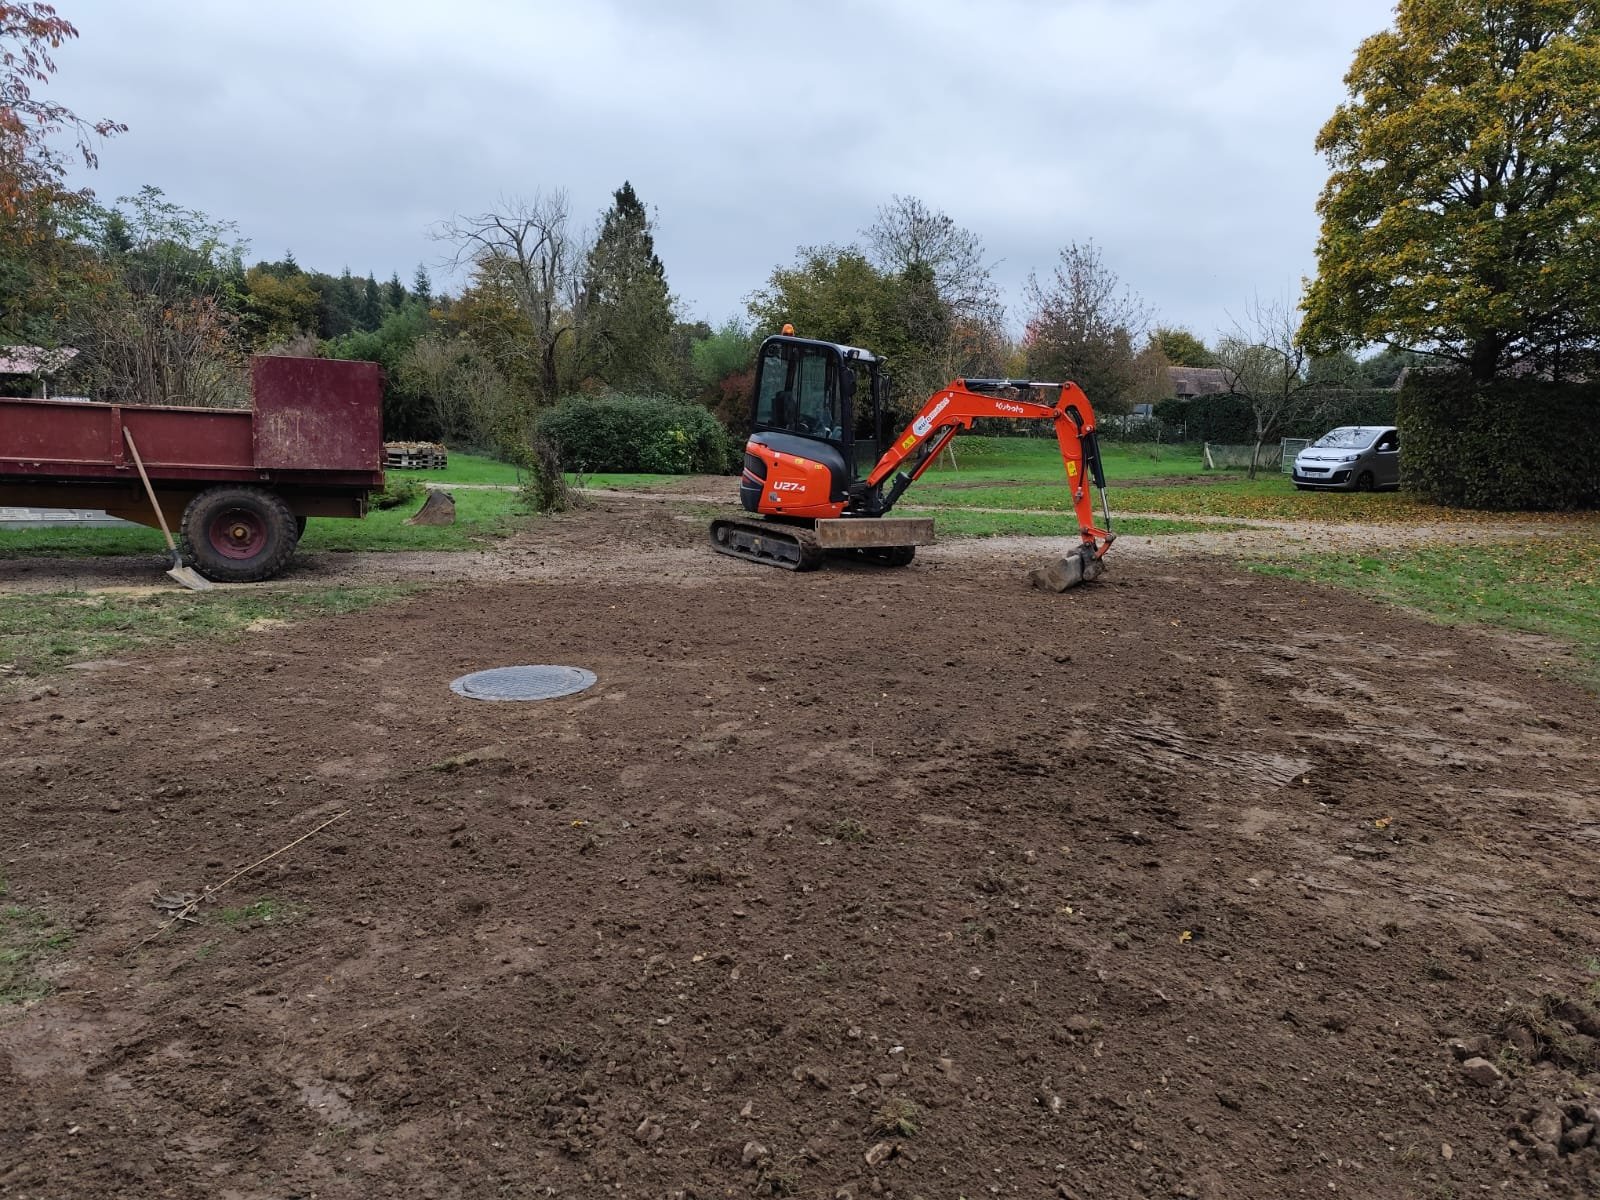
819 476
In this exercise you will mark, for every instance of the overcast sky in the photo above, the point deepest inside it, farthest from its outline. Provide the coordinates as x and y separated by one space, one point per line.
1175 133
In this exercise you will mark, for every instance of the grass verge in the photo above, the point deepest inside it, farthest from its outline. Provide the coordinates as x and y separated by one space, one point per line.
42 634
959 523
1548 586
28 939
480 517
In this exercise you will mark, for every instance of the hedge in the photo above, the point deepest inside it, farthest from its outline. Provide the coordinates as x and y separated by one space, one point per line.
1509 444
1227 418
635 433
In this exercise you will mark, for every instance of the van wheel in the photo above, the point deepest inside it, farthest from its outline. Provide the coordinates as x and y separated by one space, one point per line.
238 534
1364 482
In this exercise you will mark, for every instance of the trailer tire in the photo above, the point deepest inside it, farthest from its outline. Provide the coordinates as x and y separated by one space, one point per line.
238 534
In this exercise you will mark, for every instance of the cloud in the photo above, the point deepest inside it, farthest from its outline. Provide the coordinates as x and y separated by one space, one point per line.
1176 135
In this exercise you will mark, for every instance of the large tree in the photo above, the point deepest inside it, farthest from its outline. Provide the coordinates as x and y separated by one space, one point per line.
38 266
627 307
1462 214
1181 348
1084 325
946 286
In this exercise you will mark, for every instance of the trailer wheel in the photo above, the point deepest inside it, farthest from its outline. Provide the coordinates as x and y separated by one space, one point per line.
238 534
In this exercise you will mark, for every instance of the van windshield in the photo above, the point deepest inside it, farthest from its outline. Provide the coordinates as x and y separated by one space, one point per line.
1351 437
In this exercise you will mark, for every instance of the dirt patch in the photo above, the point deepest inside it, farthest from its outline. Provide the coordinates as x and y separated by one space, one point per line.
918 881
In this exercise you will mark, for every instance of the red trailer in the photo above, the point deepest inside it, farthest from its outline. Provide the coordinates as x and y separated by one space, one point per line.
243 481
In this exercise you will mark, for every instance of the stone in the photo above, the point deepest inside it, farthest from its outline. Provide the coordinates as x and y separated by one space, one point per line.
1546 1126
1063 573
1481 1072
438 509
1577 1137
754 1154
879 1154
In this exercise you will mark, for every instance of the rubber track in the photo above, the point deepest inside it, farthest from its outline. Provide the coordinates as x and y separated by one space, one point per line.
792 547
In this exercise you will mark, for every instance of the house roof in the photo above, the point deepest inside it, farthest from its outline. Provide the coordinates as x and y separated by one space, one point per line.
34 360
1198 381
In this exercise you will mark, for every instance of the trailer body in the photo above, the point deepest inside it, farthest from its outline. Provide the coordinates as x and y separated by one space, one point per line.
310 445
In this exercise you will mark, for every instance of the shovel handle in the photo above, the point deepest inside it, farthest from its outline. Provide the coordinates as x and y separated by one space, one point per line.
149 491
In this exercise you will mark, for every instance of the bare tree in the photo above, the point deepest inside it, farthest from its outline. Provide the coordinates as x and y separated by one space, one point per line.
527 254
1083 326
1268 368
907 234
914 242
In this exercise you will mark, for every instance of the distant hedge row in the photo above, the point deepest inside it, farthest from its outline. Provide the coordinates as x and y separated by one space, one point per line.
635 434
1227 418
1510 444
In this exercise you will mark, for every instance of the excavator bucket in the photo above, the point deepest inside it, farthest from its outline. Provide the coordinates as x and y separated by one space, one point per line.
1060 574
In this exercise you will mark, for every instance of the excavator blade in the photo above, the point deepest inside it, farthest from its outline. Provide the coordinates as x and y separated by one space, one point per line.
863 533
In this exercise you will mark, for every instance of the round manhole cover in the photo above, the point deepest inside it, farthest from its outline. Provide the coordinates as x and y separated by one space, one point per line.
523 683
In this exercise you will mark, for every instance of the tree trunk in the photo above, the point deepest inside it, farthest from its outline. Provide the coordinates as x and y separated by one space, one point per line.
1483 361
1255 455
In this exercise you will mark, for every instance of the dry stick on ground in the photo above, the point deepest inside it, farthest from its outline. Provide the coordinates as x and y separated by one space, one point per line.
209 892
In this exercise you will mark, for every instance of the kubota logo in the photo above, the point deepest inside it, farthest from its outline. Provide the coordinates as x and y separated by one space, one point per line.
923 424
1002 406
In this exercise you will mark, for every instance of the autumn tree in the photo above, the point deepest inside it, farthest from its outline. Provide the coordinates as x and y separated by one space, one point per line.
1083 326
1460 214
276 306
627 307
38 266
32 168
524 302
1181 348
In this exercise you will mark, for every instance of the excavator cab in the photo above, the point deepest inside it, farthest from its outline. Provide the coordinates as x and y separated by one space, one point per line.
831 396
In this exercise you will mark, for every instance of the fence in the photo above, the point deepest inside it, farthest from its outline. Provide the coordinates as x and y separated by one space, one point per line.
1291 447
1221 457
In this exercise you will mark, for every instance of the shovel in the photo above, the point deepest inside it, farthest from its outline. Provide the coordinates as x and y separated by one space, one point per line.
188 576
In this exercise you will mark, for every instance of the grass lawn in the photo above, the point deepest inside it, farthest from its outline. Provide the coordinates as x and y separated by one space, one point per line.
465 468
480 516
1038 460
956 523
1548 586
41 634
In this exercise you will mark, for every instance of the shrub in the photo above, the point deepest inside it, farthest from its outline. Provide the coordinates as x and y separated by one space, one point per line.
545 488
635 433
398 493
1509 444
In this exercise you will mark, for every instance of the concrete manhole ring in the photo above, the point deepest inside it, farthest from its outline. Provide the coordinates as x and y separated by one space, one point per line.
542 682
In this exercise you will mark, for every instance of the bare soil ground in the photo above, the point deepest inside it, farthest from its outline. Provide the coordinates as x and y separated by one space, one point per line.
915 883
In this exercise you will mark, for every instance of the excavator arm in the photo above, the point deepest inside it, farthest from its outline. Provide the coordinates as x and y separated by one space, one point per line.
954 408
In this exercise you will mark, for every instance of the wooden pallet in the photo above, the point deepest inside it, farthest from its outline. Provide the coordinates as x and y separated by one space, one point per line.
414 456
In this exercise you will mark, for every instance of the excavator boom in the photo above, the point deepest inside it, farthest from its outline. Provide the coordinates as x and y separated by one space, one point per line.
954 408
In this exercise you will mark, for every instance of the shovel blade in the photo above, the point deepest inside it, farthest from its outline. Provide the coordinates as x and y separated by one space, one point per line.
191 579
